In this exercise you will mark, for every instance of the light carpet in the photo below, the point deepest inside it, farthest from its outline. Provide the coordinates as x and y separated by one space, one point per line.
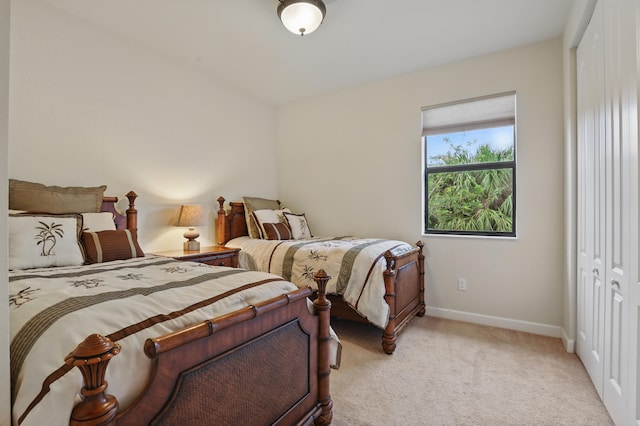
446 372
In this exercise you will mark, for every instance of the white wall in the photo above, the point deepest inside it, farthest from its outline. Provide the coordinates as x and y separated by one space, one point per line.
89 108
358 153
4 132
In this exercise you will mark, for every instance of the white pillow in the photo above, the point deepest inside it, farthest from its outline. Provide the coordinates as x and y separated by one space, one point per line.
268 216
299 226
96 222
42 241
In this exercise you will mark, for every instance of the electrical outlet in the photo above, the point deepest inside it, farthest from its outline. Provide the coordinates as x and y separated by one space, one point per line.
462 284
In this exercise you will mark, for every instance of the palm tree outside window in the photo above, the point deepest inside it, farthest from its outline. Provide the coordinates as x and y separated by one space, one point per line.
469 163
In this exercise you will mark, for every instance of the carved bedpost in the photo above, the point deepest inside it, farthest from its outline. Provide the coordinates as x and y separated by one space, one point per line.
322 307
423 309
92 357
132 213
389 335
221 223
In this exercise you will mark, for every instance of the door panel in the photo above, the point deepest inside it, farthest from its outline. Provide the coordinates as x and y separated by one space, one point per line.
591 199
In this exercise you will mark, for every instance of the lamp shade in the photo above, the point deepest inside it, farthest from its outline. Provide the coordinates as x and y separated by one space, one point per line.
191 215
301 16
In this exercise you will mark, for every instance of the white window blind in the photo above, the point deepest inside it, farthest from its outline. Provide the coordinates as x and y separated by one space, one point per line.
498 110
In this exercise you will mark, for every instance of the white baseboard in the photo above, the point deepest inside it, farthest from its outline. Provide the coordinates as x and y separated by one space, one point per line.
569 344
508 323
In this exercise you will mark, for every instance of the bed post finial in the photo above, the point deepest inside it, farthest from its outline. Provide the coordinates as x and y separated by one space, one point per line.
322 307
132 213
92 357
221 222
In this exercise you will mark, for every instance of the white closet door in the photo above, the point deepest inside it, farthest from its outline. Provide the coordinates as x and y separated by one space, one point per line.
591 198
633 397
620 69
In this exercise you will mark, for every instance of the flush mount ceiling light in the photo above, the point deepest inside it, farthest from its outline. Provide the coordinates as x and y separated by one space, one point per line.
301 16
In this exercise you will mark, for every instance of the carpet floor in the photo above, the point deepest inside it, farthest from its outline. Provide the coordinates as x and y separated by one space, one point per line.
446 372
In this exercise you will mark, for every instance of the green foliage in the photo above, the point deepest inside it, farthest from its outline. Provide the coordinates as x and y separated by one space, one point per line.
478 200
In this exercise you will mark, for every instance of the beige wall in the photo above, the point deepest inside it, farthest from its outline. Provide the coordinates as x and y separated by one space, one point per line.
89 108
4 132
357 153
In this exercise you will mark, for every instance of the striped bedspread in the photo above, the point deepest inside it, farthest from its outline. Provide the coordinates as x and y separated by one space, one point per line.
356 266
52 310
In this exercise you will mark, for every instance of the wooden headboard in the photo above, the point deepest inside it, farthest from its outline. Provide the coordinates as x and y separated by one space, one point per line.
129 220
232 223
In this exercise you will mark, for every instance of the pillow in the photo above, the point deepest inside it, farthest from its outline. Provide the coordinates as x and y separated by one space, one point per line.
253 203
105 246
96 222
264 216
44 240
36 197
298 225
276 231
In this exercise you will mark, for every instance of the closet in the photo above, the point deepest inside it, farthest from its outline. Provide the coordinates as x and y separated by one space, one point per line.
607 205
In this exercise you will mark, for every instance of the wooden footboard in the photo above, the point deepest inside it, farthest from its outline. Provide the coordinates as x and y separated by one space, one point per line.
404 284
404 293
265 364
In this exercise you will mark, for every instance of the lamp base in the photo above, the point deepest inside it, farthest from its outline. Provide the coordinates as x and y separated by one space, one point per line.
192 245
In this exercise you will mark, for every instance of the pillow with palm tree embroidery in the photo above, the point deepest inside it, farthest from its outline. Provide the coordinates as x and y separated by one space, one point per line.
44 240
298 225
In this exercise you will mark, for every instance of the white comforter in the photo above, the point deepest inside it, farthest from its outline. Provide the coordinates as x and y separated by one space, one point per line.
52 310
356 267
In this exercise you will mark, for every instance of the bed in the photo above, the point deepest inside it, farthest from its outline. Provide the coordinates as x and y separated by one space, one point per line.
185 342
393 273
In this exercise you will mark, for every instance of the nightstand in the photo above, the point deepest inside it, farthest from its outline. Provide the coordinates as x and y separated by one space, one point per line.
214 255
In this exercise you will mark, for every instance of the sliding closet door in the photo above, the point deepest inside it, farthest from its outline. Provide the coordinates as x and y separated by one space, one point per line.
591 198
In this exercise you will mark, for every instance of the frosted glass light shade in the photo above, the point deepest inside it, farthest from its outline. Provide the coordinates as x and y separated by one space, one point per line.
301 16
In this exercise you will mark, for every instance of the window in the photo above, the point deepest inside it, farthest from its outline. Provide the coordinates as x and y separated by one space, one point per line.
469 167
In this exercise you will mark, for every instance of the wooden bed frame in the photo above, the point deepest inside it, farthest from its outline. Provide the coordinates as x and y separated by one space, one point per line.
403 278
240 368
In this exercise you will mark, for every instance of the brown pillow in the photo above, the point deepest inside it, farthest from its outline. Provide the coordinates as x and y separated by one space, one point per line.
276 231
105 246
254 203
36 197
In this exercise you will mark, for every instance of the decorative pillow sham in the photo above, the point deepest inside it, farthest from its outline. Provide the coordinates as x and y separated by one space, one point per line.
36 197
276 231
298 225
262 217
96 222
43 241
254 203
105 246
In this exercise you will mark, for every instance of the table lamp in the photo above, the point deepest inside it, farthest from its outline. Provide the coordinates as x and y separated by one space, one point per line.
191 215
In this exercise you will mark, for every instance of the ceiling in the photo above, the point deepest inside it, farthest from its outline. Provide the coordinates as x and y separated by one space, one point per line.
243 43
